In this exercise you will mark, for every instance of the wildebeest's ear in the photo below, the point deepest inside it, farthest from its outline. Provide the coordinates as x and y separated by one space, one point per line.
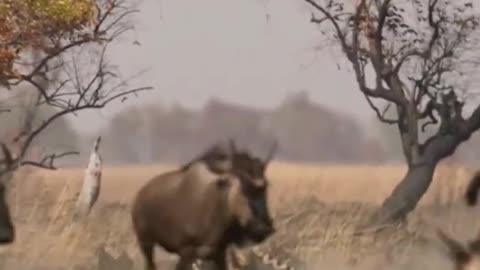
223 182
456 250
271 152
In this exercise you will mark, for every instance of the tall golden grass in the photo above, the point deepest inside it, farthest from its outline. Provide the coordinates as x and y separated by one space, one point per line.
42 203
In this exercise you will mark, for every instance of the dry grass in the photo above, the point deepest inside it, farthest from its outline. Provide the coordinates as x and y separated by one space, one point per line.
320 204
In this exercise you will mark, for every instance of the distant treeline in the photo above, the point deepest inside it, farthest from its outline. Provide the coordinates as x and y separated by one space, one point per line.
305 131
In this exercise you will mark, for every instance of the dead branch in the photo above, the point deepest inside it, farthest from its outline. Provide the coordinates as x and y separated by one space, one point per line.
91 183
74 86
355 54
48 161
381 115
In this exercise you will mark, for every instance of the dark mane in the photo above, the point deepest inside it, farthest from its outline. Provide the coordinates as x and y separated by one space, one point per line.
214 152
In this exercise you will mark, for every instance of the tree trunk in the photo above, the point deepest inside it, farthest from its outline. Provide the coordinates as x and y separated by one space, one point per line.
406 195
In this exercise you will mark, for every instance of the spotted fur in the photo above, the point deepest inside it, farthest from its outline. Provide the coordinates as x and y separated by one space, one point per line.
465 257
258 259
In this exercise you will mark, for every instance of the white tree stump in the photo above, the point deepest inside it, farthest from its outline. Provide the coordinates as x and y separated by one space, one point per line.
91 183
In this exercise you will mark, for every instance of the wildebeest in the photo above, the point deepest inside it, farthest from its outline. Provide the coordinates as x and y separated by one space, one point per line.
200 209
7 229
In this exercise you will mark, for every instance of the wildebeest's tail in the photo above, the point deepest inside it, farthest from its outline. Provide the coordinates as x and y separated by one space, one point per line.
471 194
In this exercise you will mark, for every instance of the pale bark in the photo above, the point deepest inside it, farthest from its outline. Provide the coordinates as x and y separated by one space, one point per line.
91 183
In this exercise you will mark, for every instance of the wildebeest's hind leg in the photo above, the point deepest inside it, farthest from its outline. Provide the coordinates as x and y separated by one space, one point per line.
147 250
184 264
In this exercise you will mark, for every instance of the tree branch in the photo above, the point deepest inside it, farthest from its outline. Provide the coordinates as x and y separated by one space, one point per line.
332 20
82 89
381 115
470 125
48 161
353 52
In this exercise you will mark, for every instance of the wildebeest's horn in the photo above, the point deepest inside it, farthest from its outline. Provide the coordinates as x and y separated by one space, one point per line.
97 143
272 151
232 145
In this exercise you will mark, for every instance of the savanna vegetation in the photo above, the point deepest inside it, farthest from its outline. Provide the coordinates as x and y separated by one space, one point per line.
53 64
413 71
415 57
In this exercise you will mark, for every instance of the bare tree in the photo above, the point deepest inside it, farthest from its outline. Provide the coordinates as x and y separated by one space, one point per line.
70 73
62 58
417 54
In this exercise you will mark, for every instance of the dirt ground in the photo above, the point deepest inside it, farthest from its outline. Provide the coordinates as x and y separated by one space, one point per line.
317 209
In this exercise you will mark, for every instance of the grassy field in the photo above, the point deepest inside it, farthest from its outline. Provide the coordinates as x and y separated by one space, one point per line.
316 209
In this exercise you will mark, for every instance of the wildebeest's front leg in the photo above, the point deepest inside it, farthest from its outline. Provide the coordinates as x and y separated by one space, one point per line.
187 258
220 260
147 251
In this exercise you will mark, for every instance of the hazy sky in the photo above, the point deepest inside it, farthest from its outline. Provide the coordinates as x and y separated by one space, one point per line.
250 52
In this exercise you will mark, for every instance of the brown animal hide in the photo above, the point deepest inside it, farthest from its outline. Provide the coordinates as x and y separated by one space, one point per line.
198 210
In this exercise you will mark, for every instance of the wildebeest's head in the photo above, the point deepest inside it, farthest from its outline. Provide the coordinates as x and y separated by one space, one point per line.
250 200
7 230
246 191
464 257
